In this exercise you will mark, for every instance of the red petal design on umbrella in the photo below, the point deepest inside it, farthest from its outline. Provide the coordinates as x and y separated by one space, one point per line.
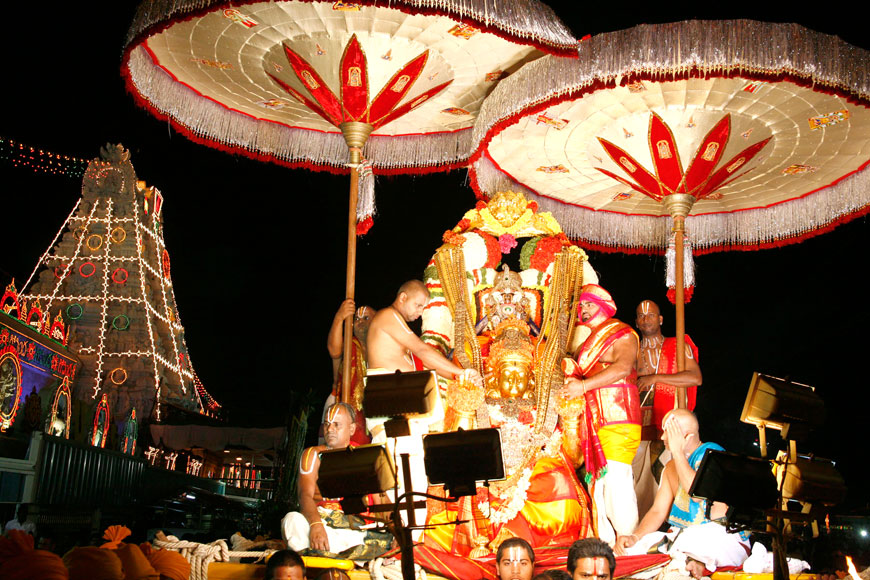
707 156
315 85
409 106
302 98
395 90
354 80
736 162
665 156
649 184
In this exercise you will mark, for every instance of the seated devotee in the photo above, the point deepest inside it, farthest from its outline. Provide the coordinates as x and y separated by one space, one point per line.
320 525
515 560
591 559
362 318
285 565
702 543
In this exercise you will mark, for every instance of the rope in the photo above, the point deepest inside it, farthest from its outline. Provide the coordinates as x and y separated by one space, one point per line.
201 555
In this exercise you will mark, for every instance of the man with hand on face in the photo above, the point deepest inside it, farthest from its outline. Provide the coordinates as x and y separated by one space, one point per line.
515 560
308 528
604 374
591 559
704 543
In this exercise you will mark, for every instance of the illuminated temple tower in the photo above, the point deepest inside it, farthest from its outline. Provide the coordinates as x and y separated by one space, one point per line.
108 269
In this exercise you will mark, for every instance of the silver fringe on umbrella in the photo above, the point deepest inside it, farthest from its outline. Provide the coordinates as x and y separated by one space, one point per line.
522 20
710 47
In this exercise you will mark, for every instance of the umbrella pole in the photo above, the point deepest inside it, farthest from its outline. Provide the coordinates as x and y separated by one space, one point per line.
355 135
350 281
678 205
679 227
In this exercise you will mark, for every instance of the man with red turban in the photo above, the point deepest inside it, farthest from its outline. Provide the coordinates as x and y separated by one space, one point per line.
604 375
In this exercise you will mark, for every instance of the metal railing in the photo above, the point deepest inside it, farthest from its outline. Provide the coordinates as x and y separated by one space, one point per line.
72 473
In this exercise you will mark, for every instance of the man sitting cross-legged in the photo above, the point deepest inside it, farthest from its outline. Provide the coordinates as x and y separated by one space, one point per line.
319 524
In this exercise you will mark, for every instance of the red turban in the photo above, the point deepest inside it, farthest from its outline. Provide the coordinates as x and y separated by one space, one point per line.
168 563
133 561
92 563
136 565
598 295
19 561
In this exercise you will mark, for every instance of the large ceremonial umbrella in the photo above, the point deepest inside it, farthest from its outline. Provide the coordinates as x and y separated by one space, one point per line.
751 134
303 83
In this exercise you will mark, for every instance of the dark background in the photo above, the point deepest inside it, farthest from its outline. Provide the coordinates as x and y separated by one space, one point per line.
258 251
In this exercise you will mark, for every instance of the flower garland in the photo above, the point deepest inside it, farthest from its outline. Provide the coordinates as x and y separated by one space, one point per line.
493 250
506 512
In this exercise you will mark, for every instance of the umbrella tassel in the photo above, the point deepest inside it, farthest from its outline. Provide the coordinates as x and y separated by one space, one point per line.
365 206
688 270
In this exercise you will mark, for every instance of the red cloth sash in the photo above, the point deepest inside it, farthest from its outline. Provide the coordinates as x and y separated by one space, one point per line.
357 387
664 399
612 404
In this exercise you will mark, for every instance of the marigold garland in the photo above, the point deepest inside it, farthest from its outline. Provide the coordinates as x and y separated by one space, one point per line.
545 252
493 250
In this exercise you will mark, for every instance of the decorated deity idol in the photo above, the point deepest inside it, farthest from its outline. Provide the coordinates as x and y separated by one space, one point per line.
513 327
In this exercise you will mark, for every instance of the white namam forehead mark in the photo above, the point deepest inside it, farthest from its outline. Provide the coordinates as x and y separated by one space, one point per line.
332 413
516 554
645 306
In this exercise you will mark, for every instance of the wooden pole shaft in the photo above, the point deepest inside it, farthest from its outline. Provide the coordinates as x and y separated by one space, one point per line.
355 135
350 284
679 228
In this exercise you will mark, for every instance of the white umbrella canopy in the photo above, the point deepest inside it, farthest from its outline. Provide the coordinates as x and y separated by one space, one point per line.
216 70
322 84
747 134
778 110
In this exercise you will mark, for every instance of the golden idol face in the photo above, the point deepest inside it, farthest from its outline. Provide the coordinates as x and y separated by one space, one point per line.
513 379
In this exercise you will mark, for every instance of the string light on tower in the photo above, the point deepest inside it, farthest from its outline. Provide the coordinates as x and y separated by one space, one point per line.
110 270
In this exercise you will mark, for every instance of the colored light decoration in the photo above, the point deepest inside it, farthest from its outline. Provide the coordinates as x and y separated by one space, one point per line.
39 160
131 433
120 276
10 379
102 423
153 454
132 251
58 421
118 376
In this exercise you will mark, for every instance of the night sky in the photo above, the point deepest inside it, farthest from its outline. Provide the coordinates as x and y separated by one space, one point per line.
258 251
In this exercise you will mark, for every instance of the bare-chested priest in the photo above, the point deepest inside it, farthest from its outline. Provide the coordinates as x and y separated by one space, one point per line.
392 346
